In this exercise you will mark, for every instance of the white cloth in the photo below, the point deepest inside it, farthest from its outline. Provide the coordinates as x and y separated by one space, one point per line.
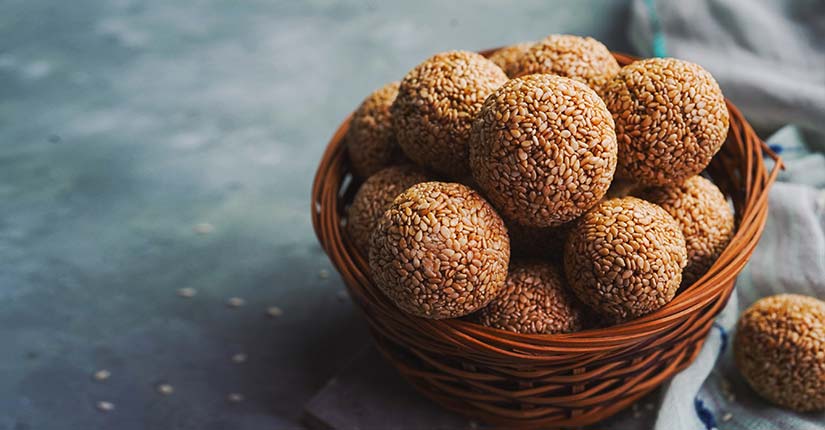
769 58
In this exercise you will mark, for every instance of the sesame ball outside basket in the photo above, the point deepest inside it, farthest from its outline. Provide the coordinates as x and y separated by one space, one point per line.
543 149
440 251
624 258
435 107
371 143
581 58
508 57
671 119
705 217
779 348
534 300
373 198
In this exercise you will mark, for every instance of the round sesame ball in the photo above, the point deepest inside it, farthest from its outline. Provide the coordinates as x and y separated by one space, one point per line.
435 107
705 217
508 57
543 149
440 251
370 139
534 300
671 119
624 258
581 58
373 198
779 348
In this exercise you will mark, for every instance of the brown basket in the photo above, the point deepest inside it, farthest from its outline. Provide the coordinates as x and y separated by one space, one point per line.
548 381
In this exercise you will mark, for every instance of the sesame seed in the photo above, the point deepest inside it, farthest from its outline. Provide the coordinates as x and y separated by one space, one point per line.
235 397
165 389
727 417
274 312
187 292
102 375
104 406
239 358
323 274
235 302
203 228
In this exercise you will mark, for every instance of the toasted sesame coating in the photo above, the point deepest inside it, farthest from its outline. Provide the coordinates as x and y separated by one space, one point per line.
625 257
581 58
370 139
538 242
543 149
779 348
705 217
374 197
440 251
534 300
507 57
671 119
435 107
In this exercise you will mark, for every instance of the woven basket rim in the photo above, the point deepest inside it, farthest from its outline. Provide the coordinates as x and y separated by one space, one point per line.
750 216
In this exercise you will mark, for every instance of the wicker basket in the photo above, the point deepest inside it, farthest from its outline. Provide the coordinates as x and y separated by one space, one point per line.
548 381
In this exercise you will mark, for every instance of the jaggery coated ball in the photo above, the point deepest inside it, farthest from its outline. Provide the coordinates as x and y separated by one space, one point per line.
435 107
705 217
371 143
373 198
534 300
543 149
440 251
779 348
671 119
624 258
581 58
508 57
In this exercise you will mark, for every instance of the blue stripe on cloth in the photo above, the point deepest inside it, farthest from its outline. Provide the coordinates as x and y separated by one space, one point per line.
705 414
659 48
775 148
724 335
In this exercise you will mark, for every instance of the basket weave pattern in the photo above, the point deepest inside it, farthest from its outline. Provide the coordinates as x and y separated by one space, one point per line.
548 381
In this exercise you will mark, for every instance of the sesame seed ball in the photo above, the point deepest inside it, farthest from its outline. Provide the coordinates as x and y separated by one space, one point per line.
779 348
440 251
373 198
507 57
625 257
543 149
534 300
581 58
704 216
435 107
370 139
671 119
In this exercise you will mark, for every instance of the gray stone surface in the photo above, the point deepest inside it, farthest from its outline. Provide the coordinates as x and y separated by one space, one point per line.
126 124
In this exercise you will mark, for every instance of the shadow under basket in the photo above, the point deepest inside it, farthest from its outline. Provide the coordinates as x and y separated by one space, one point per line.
523 381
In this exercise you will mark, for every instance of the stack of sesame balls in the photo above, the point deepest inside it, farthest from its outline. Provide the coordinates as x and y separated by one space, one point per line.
540 190
549 190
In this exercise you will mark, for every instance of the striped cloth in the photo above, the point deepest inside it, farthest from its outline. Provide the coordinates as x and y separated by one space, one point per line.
770 60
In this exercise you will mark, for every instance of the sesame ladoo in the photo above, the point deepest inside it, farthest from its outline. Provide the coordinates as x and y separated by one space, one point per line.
705 217
543 149
534 300
671 119
581 58
435 107
508 57
625 257
440 251
779 348
373 198
371 143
